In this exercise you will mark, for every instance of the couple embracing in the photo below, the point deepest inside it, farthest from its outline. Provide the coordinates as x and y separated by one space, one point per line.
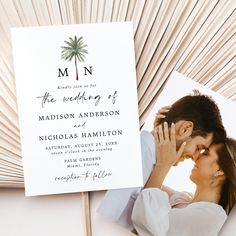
190 128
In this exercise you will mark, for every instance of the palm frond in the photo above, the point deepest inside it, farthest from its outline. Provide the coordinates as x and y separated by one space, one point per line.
69 44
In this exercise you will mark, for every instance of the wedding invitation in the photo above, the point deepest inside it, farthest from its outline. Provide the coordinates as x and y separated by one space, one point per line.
78 108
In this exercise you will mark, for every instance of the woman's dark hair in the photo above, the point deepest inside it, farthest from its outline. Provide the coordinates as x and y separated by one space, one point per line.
227 162
202 111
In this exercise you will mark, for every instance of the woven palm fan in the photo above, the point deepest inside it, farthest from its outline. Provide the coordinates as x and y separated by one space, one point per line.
195 37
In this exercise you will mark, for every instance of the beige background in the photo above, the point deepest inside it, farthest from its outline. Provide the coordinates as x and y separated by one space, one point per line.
55 215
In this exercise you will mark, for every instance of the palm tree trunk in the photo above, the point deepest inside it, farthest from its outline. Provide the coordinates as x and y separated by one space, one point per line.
77 77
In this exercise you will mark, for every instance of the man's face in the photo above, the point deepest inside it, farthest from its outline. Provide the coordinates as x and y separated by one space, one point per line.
194 146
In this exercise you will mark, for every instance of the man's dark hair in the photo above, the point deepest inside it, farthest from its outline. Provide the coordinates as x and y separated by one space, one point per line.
202 111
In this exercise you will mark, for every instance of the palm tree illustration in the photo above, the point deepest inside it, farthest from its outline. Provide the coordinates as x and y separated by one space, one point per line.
74 49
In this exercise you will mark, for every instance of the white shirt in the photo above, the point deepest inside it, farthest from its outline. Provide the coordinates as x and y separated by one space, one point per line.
117 204
153 215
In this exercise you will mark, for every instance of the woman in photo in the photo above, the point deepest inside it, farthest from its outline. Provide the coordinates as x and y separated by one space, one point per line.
160 211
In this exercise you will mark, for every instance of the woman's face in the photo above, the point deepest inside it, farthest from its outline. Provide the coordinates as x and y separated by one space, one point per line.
205 165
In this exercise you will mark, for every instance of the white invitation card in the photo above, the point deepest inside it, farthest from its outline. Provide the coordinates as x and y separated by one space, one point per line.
78 108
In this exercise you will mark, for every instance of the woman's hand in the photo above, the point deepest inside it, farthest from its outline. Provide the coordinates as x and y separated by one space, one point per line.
161 114
166 153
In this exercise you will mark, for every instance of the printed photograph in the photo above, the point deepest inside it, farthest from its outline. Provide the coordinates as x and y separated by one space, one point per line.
188 146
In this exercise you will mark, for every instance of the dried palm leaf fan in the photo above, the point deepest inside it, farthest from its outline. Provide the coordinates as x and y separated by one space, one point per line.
195 37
